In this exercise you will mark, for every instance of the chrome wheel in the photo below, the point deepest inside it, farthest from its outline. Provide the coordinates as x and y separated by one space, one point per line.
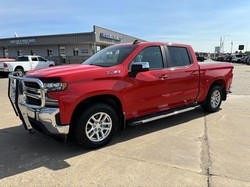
98 127
215 99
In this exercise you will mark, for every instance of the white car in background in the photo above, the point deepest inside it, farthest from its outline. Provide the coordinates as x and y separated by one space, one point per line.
25 63
236 58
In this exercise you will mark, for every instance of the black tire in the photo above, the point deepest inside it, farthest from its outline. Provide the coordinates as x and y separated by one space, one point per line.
90 131
213 100
20 70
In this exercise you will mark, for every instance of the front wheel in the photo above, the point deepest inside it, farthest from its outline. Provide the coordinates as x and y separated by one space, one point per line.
96 126
213 100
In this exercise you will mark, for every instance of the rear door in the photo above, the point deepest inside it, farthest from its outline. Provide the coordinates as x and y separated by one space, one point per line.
183 87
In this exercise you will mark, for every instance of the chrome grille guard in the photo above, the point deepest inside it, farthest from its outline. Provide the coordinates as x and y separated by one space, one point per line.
16 89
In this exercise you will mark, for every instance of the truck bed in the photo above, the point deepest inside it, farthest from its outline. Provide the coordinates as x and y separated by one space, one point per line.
210 64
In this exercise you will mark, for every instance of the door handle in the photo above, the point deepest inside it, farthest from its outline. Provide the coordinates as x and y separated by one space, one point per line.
193 73
163 77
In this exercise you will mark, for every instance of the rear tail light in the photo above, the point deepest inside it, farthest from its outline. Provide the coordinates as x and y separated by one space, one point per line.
5 65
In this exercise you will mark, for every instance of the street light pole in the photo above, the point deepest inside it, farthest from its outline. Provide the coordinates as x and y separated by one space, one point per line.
220 46
232 46
224 42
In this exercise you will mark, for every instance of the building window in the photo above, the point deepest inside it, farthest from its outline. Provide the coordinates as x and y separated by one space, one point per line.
84 52
6 53
98 48
76 52
49 52
19 53
33 52
62 51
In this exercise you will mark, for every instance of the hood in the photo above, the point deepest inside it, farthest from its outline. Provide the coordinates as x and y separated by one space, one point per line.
61 70
72 72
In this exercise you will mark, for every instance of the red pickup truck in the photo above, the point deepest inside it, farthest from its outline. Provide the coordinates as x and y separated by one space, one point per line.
125 84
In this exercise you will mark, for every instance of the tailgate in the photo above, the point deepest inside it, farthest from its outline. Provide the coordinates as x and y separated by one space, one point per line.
1 66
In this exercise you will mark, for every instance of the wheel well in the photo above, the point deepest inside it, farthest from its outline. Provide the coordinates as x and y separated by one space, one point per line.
19 67
222 84
111 100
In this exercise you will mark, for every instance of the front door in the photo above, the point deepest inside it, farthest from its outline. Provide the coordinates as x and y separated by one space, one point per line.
146 92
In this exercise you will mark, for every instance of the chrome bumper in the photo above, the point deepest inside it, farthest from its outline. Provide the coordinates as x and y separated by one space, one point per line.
42 118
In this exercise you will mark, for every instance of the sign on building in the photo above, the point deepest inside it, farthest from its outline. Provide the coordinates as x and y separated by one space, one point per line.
217 49
241 47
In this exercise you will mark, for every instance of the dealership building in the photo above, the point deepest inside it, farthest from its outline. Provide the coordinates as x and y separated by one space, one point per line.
63 48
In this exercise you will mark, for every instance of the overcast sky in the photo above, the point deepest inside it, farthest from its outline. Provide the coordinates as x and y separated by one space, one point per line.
199 23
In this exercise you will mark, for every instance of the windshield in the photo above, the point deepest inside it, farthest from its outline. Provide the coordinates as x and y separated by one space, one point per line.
110 56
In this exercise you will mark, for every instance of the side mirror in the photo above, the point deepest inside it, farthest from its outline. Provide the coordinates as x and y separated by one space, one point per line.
140 66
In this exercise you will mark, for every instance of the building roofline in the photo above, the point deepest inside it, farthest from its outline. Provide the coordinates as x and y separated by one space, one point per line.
68 34
45 36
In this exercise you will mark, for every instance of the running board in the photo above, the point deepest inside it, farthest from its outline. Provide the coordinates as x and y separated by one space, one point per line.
154 117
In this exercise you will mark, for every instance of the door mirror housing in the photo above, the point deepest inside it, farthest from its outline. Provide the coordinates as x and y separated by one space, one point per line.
140 66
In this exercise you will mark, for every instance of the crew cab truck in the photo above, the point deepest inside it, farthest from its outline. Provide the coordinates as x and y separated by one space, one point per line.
125 84
25 63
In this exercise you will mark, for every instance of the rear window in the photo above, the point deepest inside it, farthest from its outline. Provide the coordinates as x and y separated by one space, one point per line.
179 56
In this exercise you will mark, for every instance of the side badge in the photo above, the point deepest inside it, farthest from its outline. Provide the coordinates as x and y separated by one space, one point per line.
114 72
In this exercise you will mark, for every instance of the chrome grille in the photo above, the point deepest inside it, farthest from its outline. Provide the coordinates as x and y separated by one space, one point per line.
32 93
31 84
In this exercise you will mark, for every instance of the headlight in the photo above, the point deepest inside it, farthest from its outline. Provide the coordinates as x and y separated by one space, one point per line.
52 87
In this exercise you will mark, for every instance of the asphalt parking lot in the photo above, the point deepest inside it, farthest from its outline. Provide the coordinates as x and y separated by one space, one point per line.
191 149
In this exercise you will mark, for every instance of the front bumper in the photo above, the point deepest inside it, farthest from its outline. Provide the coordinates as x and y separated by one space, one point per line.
41 118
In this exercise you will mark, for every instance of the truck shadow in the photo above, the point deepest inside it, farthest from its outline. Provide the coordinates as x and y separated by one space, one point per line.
3 75
136 131
21 152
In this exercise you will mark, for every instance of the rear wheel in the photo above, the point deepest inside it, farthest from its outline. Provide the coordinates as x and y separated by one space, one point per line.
20 69
213 100
96 126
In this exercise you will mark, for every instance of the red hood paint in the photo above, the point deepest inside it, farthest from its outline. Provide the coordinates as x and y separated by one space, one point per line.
72 72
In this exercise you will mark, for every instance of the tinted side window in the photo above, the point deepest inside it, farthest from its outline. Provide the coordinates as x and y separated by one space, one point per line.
22 59
41 59
179 56
152 55
34 59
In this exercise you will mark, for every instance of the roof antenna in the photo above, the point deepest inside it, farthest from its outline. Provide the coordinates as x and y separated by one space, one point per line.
136 42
